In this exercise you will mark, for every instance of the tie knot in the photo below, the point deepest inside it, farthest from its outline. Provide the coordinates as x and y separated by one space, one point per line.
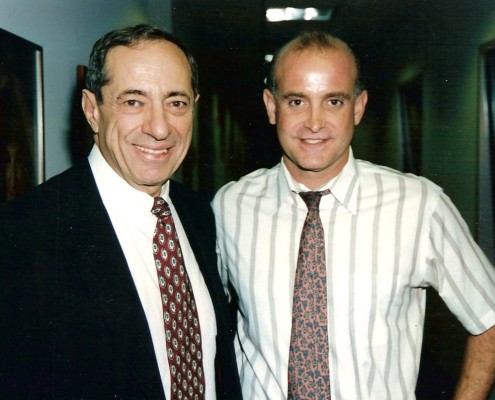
312 199
160 208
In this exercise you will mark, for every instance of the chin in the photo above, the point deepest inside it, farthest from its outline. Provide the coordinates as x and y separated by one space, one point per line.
312 165
154 179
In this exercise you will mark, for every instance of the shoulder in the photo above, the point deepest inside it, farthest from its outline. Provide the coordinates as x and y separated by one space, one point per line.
389 178
66 203
252 184
49 214
182 193
192 206
72 185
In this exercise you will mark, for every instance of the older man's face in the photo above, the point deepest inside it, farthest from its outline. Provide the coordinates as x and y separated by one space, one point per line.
144 125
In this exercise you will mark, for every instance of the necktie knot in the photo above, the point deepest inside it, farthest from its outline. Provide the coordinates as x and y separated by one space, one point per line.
312 199
160 208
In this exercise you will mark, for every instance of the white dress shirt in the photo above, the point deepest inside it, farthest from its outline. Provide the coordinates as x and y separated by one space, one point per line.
130 212
388 236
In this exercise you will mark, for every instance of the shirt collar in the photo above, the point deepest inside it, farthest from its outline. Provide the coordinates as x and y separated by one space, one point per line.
344 187
113 188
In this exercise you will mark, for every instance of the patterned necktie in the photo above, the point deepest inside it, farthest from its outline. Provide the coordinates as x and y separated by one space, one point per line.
309 376
182 330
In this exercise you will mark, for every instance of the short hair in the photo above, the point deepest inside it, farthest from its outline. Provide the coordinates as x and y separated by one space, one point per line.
97 76
312 40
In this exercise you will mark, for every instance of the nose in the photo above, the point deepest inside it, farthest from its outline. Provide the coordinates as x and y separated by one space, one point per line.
156 123
315 119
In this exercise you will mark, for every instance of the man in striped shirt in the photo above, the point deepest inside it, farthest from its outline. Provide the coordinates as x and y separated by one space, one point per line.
388 236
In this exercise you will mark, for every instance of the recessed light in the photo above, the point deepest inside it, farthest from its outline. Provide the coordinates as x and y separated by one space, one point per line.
297 14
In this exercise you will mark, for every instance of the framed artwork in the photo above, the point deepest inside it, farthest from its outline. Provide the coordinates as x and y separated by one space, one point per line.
21 115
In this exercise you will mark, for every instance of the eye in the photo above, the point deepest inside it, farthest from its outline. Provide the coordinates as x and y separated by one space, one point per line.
295 102
133 103
178 104
336 102
178 107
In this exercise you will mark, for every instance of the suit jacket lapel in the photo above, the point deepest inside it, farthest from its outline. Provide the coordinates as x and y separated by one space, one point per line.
105 271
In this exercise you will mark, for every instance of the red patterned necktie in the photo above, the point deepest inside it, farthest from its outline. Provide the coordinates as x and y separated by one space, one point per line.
182 330
309 376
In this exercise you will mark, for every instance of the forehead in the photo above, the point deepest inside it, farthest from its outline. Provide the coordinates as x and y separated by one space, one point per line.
330 65
148 61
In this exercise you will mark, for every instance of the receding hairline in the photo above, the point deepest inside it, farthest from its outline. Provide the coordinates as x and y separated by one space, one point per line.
321 42
142 43
318 42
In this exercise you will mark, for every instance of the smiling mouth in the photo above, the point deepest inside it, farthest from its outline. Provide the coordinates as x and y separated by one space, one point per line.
313 141
151 151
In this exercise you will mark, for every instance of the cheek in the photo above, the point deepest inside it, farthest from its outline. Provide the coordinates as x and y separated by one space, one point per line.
282 133
120 129
112 137
344 122
184 129
286 123
186 143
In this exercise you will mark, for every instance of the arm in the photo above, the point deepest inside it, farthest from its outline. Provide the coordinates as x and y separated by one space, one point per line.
478 371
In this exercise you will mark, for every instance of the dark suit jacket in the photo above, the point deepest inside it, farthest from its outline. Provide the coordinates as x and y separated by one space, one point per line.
72 325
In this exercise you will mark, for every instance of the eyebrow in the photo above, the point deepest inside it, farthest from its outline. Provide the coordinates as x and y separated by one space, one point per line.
138 92
131 92
342 95
178 93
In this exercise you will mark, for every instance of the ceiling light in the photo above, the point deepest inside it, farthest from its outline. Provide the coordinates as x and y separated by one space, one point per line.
310 13
297 14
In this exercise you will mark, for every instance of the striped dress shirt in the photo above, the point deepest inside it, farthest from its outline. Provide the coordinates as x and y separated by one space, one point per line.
388 236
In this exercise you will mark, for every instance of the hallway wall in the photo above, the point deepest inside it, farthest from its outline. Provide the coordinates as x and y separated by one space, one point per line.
439 41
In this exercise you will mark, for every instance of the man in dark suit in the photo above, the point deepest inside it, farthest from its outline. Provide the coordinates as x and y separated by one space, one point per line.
81 309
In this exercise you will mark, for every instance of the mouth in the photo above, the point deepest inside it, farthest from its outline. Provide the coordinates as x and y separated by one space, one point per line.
152 151
313 141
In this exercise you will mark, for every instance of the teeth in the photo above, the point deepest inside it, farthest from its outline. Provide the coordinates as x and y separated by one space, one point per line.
151 151
313 141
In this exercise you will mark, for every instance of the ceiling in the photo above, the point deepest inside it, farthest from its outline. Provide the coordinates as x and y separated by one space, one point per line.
233 36
241 24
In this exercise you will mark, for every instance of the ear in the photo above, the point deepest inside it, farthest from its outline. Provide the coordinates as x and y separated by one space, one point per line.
271 106
360 106
90 109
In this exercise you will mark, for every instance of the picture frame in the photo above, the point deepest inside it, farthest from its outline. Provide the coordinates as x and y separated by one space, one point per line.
21 115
